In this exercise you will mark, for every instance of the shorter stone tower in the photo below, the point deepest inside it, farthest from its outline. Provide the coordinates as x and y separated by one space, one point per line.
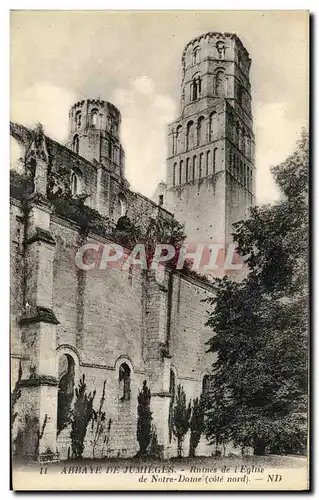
94 127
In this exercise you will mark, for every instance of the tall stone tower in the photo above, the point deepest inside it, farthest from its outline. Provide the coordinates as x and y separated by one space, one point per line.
210 168
94 127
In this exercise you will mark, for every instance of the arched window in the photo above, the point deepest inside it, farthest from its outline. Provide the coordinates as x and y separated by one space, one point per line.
187 170
189 135
74 184
240 138
174 173
123 204
240 93
250 180
178 138
207 162
211 126
248 146
237 133
110 150
94 118
220 83
244 141
75 144
125 382
245 175
65 390
196 87
194 167
201 161
220 46
214 160
195 55
78 118
180 171
200 131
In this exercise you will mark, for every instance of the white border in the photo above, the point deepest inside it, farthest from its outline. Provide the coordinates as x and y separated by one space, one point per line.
4 116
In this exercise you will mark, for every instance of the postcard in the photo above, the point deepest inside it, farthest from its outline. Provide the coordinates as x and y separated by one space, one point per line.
159 177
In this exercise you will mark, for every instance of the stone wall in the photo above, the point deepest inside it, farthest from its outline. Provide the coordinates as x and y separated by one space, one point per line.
110 316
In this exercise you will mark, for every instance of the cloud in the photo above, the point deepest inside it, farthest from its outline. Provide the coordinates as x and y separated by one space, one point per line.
145 116
272 148
45 103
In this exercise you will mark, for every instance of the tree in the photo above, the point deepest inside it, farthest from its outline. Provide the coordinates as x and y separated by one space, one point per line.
144 419
261 323
196 424
99 422
15 396
180 418
81 415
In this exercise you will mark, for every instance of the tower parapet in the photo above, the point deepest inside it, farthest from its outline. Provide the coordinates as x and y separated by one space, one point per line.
94 133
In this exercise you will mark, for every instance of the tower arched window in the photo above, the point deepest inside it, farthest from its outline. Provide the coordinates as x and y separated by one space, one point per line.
190 136
200 130
125 382
237 128
110 152
240 138
195 55
244 141
241 173
174 173
180 171
75 144
211 126
65 390
196 87
178 139
201 161
215 159
187 171
220 83
74 184
94 118
249 146
78 119
194 173
207 162
173 143
250 180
